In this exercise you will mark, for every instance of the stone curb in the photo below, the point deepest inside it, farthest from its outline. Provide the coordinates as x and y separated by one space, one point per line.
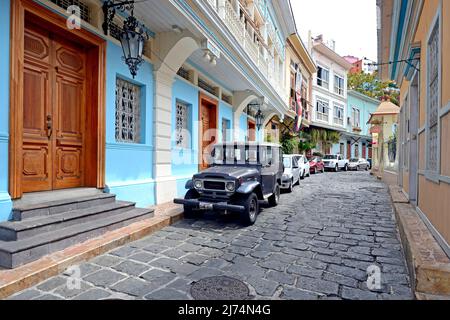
428 265
21 278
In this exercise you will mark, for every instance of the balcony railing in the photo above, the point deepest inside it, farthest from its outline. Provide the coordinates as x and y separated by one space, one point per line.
322 116
251 47
339 122
260 55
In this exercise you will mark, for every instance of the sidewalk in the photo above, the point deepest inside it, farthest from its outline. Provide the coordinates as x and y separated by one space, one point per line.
428 265
12 281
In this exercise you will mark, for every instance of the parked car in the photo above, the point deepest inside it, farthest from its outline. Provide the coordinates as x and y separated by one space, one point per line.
358 164
304 166
335 162
241 175
316 165
291 175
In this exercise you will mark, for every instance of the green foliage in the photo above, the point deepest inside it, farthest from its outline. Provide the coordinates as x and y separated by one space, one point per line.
334 137
315 136
371 86
288 143
305 146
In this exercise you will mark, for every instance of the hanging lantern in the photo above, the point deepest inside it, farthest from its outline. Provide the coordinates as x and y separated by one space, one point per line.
132 39
132 36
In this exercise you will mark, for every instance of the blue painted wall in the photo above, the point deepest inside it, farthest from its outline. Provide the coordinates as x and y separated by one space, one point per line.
243 127
129 167
5 200
185 160
225 112
367 106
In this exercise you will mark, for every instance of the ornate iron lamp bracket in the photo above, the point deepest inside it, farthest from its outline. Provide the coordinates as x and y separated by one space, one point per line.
110 8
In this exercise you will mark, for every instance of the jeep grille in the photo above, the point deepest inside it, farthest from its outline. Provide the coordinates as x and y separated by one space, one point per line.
214 185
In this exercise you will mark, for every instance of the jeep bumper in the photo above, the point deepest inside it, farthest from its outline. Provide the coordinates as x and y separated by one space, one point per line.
205 205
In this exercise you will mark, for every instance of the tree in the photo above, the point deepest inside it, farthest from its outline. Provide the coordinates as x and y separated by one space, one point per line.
371 86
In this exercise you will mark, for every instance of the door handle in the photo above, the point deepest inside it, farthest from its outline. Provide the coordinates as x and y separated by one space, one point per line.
49 126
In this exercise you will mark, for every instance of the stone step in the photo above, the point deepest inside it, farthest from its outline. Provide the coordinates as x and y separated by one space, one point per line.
24 211
16 253
19 230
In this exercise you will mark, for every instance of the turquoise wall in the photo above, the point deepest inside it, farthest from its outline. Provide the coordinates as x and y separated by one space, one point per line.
243 126
5 199
366 106
129 167
225 111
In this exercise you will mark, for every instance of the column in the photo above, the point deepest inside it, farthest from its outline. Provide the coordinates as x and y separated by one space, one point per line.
165 188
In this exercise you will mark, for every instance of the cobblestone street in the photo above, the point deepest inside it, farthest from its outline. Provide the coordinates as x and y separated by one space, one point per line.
317 244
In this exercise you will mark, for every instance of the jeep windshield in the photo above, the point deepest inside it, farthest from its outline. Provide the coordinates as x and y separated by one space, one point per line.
330 157
246 154
238 154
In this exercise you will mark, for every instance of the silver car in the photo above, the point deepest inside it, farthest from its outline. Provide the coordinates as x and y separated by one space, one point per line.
291 175
358 164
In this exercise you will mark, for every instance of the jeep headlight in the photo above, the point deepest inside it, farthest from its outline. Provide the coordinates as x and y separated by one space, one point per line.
230 186
198 184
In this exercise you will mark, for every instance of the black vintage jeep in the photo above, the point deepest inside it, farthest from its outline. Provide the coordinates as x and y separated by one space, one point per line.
241 176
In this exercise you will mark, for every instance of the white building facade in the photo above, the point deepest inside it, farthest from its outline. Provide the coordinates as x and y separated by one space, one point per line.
329 93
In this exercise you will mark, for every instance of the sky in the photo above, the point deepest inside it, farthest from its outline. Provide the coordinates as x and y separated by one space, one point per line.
351 23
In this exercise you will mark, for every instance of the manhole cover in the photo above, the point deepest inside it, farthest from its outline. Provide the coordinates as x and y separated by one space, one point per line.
219 288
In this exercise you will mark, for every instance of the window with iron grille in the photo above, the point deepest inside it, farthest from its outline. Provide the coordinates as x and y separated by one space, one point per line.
206 86
84 9
184 73
433 99
128 111
181 126
227 98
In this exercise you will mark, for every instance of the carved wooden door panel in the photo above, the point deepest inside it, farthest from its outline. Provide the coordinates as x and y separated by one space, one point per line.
37 155
53 112
69 112
208 121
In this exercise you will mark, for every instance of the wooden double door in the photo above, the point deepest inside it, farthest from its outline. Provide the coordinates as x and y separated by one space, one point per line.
208 128
54 79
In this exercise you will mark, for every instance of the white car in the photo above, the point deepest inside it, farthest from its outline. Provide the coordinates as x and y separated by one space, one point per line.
304 166
335 162
291 175
358 164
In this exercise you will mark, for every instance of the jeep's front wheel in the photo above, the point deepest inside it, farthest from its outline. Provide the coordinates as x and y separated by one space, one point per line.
274 199
189 212
251 209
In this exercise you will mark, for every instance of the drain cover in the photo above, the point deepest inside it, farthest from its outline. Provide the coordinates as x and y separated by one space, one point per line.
219 288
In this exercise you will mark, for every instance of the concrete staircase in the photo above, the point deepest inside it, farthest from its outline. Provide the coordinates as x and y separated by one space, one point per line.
49 222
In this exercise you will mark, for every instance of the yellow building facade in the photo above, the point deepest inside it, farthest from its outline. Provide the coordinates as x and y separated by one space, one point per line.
415 37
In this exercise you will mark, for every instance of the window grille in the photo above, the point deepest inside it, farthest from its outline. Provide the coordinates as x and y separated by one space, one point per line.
433 96
184 73
128 111
206 86
182 139
227 98
84 9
